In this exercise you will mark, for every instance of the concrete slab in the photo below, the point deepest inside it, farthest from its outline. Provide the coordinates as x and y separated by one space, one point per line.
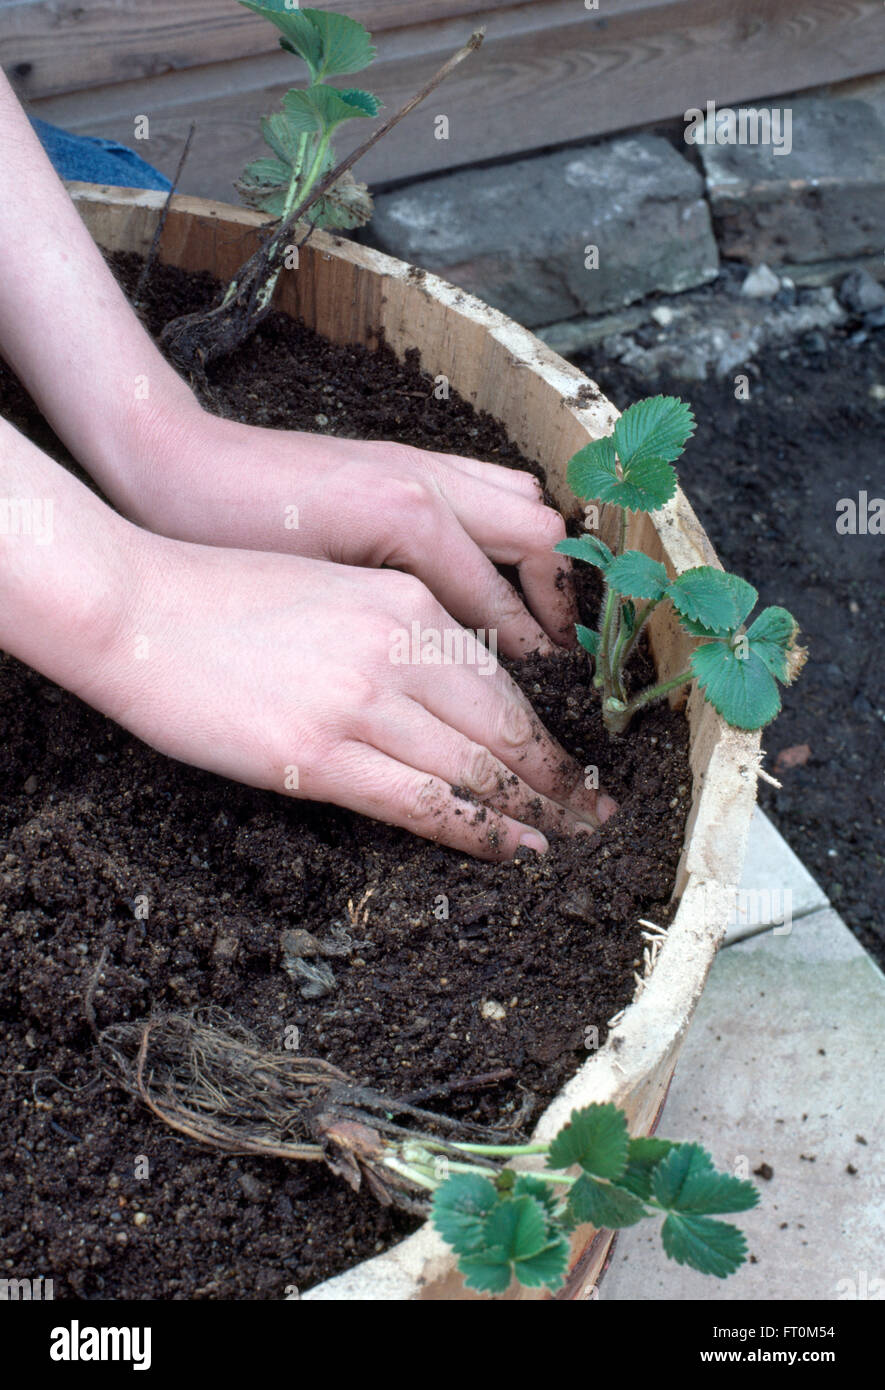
776 887
783 1066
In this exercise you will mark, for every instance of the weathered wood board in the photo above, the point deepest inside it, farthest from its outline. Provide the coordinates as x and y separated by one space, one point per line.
549 71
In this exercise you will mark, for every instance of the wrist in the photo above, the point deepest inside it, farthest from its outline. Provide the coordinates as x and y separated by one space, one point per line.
69 567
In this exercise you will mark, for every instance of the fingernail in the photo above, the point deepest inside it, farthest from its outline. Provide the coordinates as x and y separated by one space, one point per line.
605 806
533 839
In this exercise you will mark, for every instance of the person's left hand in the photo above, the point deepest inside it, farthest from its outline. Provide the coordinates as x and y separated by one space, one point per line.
445 519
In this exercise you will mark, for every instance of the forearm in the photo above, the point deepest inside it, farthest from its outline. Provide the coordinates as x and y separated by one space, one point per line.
66 327
67 564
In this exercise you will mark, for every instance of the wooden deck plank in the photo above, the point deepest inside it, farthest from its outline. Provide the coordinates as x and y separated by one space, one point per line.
574 77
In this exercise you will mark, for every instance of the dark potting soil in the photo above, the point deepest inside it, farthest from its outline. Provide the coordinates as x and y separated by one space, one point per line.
97 1194
765 476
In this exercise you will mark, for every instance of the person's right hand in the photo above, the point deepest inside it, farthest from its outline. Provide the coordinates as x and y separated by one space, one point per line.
279 671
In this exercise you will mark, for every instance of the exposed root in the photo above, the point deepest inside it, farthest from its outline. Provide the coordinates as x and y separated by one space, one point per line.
208 1078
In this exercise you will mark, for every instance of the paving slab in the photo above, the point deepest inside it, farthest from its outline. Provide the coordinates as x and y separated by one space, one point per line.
783 1066
776 887
579 230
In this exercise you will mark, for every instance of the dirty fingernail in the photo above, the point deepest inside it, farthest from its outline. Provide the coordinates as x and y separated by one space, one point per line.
533 839
605 806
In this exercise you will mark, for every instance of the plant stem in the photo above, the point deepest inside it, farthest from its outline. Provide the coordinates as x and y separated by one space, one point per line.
622 532
605 655
297 189
616 715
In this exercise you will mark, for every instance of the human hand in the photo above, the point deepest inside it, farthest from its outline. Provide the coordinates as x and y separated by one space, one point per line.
278 671
445 519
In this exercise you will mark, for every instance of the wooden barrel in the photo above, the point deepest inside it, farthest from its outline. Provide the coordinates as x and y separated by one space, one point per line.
352 294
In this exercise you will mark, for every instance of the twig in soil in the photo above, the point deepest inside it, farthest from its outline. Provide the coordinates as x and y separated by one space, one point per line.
207 1077
195 340
155 242
470 1083
88 1008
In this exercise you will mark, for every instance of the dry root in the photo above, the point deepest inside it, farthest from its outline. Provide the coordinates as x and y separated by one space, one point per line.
207 1077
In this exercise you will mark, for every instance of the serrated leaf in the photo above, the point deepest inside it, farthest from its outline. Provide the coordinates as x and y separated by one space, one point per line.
643 1156
517 1227
595 1138
592 471
604 1205
486 1272
529 1185
348 203
329 43
590 549
546 1269
459 1210
588 639
347 44
636 575
366 102
771 637
283 140
657 428
712 1247
320 108
711 602
643 487
740 688
686 1181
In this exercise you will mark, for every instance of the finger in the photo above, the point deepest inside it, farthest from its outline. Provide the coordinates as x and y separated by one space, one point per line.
368 781
491 710
408 732
512 479
467 585
515 530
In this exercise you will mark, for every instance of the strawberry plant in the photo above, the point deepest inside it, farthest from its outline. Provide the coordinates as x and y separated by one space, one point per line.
504 1225
300 135
736 667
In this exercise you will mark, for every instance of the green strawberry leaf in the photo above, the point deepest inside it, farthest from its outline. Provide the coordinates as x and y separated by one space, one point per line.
740 688
322 108
658 428
588 639
770 637
604 1205
459 1209
329 43
587 548
281 138
517 1227
643 1156
710 602
548 1268
529 1185
366 102
636 575
686 1181
487 1272
595 1138
712 1247
642 487
592 471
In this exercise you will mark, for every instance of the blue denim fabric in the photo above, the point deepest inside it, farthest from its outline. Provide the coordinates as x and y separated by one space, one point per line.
91 160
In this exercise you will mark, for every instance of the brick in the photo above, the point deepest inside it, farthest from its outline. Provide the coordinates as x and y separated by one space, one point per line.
823 200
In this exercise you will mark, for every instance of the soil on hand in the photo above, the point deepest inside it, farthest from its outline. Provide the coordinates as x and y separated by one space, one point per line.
131 883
